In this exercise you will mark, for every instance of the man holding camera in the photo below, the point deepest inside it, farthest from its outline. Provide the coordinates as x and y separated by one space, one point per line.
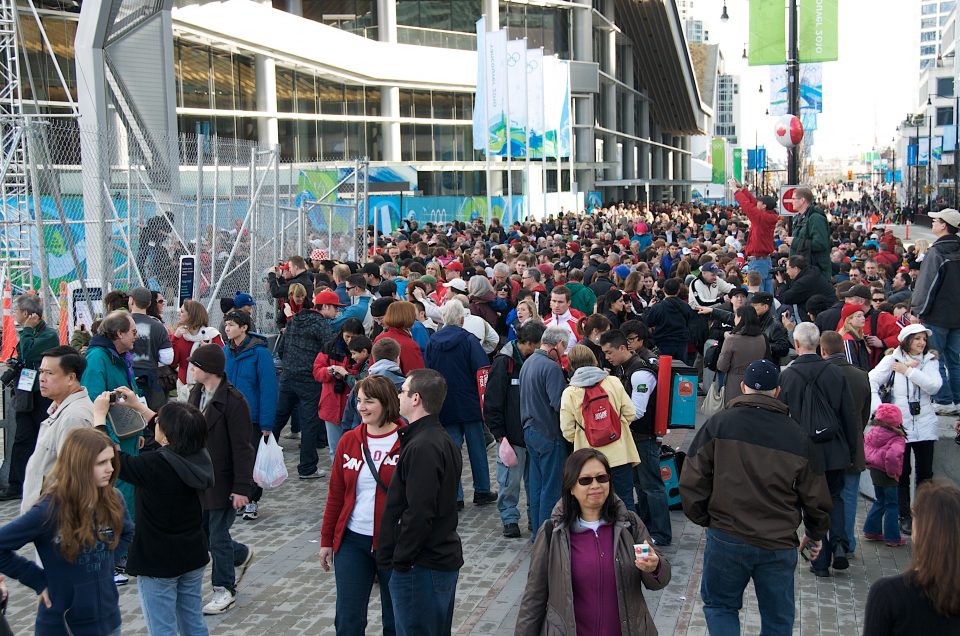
28 403
282 276
762 213
797 282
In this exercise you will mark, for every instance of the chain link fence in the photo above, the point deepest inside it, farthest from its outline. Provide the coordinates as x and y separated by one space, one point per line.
226 209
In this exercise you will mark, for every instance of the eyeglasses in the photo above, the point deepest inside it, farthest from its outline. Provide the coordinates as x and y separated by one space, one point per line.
601 479
160 301
407 391
879 300
349 288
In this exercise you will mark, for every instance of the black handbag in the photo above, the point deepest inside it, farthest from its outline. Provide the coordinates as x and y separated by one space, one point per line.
886 389
167 378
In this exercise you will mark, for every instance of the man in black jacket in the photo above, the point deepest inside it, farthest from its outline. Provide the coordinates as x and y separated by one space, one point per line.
501 413
799 283
835 455
748 479
282 276
772 327
418 538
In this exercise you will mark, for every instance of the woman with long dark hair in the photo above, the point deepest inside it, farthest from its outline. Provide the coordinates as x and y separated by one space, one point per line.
585 553
925 599
351 519
77 527
743 345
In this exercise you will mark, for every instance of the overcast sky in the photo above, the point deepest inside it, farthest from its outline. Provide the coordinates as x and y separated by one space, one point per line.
866 93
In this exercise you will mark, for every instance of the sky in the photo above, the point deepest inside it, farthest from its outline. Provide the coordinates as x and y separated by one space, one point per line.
866 93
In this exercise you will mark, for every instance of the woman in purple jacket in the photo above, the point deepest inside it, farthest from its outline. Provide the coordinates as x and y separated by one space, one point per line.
585 552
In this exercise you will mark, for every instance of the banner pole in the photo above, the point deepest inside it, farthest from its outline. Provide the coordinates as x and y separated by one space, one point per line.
508 201
568 97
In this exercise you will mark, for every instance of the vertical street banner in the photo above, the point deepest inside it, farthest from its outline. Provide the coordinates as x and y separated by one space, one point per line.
719 160
811 89
912 152
768 32
535 102
923 154
479 98
738 164
495 91
517 97
556 97
817 27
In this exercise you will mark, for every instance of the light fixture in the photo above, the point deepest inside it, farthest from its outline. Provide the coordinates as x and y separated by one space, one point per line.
767 112
929 103
761 89
724 16
744 56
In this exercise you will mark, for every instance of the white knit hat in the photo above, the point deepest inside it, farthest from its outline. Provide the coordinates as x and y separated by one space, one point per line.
909 330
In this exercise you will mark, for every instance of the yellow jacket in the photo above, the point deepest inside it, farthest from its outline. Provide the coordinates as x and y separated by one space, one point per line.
624 450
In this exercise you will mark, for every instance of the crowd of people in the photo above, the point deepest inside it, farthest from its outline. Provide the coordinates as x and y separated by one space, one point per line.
826 348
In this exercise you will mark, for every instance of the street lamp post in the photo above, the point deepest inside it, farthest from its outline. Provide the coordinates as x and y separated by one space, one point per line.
929 157
793 90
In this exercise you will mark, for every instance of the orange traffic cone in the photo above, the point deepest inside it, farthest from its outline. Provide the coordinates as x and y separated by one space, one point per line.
62 327
8 343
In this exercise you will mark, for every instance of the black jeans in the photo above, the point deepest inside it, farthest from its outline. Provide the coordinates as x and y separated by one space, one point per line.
837 536
923 454
25 440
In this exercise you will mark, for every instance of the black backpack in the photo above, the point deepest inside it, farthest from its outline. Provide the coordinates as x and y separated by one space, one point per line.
816 417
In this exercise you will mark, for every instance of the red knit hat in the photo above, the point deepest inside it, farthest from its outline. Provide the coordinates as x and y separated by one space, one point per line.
889 414
848 310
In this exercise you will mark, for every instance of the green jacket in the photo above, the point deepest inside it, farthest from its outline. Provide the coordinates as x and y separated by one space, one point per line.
582 297
811 239
33 342
106 371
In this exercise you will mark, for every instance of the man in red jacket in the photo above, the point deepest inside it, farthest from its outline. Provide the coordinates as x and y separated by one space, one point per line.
763 219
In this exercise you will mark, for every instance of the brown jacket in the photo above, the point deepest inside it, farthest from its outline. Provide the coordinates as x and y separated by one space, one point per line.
547 606
748 473
859 383
737 353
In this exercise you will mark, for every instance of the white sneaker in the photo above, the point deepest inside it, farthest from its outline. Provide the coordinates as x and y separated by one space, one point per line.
222 600
120 578
945 409
250 511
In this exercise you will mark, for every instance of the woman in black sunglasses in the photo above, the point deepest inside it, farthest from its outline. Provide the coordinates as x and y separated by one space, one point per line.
585 552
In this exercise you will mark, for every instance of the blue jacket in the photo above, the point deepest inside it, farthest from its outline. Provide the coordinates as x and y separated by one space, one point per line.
457 355
358 310
342 293
420 335
250 369
85 587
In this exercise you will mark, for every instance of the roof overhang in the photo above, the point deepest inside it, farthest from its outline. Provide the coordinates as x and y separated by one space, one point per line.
663 65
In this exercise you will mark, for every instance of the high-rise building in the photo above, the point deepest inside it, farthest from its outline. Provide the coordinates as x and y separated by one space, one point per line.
727 119
695 31
933 16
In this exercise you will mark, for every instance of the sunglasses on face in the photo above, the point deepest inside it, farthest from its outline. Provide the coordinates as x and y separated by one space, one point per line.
601 479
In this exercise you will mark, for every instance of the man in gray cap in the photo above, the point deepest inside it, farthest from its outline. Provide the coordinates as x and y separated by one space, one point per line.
748 480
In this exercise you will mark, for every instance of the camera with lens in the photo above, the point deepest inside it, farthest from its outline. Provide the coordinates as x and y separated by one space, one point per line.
914 408
778 270
9 377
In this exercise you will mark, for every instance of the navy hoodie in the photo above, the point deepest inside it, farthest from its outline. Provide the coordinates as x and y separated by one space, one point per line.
457 355
83 594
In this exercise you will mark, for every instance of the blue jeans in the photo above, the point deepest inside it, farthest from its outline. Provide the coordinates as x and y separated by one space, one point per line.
762 267
225 553
851 493
728 565
837 535
884 515
355 565
508 491
302 398
173 605
476 450
621 478
423 601
334 433
947 342
546 456
651 495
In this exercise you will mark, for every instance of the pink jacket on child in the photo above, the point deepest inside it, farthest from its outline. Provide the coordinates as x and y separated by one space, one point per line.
884 448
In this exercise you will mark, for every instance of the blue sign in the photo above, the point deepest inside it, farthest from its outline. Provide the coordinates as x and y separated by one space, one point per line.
756 159
912 152
895 177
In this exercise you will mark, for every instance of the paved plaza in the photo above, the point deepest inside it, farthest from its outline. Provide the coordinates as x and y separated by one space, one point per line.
286 592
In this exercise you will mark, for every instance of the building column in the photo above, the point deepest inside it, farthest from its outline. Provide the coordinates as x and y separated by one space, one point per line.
584 137
656 164
677 168
667 157
295 7
609 91
686 168
389 95
629 124
491 11
268 130
643 155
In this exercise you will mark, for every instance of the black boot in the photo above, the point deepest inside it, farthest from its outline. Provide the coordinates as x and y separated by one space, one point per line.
906 525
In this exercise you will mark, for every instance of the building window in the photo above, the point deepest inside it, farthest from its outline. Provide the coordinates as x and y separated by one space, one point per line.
947 7
945 86
928 9
944 115
928 23
355 16
928 50
928 36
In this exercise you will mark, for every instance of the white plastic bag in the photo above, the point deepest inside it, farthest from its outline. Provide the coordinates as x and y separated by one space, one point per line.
269 471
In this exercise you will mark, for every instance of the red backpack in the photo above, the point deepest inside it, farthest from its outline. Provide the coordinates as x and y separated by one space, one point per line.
601 423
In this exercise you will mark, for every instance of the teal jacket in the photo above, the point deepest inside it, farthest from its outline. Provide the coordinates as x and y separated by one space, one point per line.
811 239
108 370
33 342
582 297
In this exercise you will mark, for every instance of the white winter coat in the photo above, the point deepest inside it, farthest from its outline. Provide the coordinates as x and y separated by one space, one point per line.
920 383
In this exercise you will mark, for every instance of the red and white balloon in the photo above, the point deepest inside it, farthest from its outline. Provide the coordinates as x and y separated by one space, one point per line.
789 131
